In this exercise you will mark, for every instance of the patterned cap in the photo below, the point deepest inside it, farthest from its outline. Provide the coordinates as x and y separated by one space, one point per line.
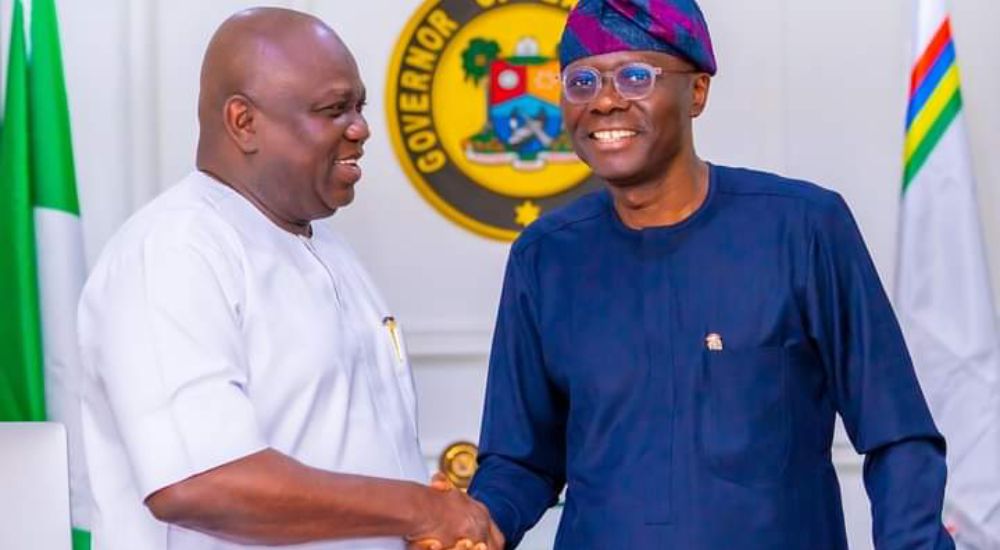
676 27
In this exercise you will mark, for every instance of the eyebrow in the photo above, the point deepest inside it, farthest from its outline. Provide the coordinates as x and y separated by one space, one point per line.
337 94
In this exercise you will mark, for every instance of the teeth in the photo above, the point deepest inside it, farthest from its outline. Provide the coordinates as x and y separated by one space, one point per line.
613 135
352 162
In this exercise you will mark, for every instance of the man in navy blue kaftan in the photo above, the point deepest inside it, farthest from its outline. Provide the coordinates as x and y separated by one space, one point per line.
673 350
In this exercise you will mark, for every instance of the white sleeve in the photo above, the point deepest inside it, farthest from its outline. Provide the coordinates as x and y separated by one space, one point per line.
163 330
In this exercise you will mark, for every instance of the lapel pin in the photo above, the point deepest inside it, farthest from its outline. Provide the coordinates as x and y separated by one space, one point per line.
713 342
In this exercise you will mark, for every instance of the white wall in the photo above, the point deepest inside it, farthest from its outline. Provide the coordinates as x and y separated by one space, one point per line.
808 88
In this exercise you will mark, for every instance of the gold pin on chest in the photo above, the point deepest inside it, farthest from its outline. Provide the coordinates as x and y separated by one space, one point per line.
389 322
713 342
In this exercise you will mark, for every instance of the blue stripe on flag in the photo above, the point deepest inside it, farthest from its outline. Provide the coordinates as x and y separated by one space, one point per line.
930 83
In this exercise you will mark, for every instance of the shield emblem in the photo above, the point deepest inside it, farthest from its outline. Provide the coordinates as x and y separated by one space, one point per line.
524 123
522 118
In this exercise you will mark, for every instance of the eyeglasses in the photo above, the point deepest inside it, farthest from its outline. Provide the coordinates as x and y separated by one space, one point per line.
632 81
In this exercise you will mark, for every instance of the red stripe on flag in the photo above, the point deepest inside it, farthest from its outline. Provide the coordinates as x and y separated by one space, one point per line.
931 54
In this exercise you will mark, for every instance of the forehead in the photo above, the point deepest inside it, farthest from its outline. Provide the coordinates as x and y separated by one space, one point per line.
319 68
321 53
609 61
335 75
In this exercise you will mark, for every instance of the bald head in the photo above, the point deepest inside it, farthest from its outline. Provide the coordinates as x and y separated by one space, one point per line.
259 52
280 114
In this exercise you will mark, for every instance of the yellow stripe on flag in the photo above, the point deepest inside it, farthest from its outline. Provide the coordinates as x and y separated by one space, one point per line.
931 111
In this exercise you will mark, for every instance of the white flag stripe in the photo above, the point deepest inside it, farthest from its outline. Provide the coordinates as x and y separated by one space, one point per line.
61 274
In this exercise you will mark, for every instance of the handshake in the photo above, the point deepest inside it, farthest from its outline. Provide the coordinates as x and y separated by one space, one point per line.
452 520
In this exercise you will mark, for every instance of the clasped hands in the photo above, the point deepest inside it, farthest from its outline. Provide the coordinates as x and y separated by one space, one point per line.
455 521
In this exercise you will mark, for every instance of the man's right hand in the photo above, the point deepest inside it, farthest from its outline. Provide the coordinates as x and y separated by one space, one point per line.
493 541
450 519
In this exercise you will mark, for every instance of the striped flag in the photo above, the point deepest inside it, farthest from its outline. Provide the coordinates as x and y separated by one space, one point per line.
43 271
943 293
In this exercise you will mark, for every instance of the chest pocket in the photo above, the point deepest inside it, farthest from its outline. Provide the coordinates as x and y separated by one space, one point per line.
744 423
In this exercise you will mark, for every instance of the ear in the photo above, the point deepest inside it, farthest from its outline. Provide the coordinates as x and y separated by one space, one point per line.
700 86
239 118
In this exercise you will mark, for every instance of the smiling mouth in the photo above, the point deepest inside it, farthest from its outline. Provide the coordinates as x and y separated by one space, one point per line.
348 169
612 136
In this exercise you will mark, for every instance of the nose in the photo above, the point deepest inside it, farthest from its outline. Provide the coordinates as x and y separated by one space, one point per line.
358 130
608 99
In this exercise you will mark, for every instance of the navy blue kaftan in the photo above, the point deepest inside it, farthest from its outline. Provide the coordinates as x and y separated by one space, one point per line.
606 377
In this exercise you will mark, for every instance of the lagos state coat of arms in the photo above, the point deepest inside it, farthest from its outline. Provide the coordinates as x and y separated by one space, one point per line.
473 109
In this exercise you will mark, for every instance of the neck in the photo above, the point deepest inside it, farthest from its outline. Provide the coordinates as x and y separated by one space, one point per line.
667 200
236 183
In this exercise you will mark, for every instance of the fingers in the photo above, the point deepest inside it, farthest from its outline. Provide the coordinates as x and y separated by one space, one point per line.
439 486
497 540
440 476
431 544
426 544
465 544
441 482
450 515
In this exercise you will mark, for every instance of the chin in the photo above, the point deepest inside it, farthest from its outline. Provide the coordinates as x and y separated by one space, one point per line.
346 197
617 176
617 166
337 197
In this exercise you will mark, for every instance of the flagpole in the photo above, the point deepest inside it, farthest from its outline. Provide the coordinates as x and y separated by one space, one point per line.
943 294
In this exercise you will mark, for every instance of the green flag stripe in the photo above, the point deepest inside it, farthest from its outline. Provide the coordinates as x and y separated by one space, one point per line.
51 144
81 540
934 135
20 323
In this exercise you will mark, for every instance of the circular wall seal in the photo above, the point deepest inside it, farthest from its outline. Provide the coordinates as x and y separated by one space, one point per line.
472 103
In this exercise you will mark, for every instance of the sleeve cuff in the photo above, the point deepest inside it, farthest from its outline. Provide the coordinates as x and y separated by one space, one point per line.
505 515
178 441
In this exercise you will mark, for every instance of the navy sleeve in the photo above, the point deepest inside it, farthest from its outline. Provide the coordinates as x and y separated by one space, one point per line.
522 442
873 385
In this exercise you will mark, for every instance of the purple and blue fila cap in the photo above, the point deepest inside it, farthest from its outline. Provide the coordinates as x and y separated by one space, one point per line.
675 27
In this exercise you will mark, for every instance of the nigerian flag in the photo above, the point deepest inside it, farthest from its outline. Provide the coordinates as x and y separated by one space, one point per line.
42 270
943 294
